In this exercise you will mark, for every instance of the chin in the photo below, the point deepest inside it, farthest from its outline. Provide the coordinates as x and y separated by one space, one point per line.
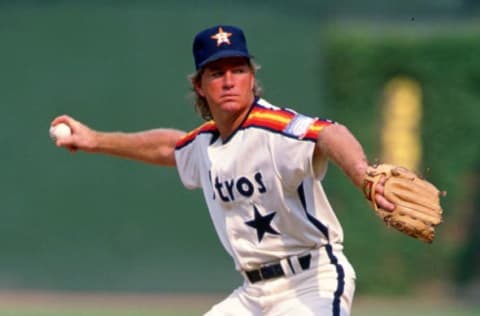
232 106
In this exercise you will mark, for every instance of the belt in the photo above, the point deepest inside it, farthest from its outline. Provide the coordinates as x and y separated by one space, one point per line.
275 270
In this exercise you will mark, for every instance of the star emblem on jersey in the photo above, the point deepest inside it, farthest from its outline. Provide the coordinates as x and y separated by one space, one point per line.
222 37
262 224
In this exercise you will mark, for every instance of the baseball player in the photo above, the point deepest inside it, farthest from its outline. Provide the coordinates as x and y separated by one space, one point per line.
260 167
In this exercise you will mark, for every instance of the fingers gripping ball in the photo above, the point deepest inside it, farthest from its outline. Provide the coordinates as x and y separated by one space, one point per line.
417 201
59 131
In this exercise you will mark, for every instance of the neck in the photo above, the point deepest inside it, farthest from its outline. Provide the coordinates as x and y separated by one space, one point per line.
227 122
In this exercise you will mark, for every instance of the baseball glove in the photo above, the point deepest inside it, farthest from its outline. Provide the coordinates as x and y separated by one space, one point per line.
417 201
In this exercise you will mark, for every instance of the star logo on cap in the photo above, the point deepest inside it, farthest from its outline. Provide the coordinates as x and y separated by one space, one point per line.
222 37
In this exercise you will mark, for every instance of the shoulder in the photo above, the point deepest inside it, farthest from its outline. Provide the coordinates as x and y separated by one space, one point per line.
284 121
206 128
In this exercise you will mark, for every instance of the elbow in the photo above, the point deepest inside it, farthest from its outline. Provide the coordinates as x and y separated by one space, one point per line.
164 156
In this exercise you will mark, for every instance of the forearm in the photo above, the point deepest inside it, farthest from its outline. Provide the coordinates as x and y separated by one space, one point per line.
340 146
155 146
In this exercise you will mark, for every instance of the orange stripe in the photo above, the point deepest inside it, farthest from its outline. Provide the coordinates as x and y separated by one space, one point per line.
268 118
278 120
190 136
315 129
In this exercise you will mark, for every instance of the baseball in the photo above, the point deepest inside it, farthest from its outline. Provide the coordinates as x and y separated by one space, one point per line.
60 130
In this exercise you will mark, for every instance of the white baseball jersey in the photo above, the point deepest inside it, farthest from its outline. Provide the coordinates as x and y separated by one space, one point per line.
261 185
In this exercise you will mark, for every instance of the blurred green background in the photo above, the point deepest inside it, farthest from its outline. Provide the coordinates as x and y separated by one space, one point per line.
98 224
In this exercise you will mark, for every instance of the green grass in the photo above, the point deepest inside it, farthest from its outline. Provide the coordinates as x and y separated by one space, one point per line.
371 310
88 312
94 304
416 312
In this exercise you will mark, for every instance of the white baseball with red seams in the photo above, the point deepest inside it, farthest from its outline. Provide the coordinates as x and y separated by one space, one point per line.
59 131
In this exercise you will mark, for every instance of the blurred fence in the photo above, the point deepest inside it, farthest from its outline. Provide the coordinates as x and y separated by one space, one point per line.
359 66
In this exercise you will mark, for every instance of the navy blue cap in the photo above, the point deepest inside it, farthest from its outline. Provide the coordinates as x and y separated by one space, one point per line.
218 42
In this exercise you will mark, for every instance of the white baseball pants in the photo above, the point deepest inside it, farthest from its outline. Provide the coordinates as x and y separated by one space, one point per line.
325 289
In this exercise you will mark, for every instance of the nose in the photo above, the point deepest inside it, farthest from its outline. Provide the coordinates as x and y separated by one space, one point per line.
228 79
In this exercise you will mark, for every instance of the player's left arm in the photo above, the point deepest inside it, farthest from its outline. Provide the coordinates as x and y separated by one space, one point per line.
338 144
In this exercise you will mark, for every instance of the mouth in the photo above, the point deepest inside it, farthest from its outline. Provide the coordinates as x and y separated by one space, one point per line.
229 95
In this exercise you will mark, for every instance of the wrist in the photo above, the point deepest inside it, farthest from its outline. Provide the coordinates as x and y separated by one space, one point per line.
360 171
97 142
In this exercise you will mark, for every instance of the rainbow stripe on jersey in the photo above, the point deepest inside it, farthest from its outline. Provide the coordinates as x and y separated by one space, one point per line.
278 120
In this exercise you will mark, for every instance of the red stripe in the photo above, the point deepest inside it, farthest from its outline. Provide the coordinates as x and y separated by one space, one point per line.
315 129
272 119
206 127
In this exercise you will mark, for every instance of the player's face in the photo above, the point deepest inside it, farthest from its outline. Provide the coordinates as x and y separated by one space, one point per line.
227 85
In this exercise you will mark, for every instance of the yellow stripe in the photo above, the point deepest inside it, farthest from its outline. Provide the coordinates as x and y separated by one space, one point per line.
272 116
316 127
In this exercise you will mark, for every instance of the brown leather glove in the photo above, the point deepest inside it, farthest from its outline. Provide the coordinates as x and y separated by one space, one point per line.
417 201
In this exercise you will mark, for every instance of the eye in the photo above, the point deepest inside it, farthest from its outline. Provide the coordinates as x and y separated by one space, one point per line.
216 73
240 70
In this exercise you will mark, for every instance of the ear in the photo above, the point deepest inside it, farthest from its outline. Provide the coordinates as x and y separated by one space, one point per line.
198 89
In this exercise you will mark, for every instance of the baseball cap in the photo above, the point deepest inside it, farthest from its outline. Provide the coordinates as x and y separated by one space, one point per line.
218 42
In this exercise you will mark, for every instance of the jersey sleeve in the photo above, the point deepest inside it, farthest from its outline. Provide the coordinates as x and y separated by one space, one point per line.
293 150
189 155
187 161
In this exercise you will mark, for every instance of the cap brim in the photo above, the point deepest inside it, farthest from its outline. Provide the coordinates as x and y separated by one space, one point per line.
224 54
